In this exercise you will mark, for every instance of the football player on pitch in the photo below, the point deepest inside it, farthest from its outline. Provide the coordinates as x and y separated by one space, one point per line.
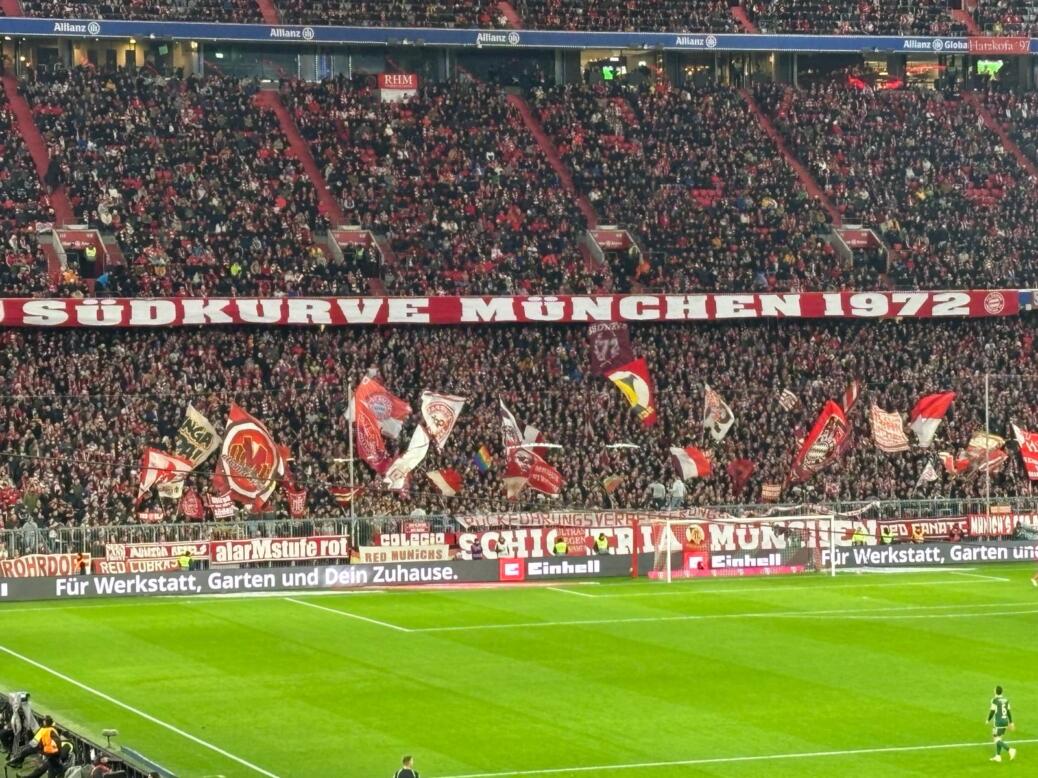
1000 716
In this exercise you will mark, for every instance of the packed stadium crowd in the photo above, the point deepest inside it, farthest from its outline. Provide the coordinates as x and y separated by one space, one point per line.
920 165
453 179
872 17
81 405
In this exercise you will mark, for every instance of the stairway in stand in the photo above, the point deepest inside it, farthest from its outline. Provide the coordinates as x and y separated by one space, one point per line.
269 12
508 11
37 147
552 155
806 179
993 124
740 15
327 202
966 18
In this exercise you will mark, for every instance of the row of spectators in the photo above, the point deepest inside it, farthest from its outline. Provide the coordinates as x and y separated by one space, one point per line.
922 166
80 405
879 17
23 205
453 179
194 179
692 173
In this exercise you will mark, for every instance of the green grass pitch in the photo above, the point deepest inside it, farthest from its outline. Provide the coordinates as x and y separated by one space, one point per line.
858 675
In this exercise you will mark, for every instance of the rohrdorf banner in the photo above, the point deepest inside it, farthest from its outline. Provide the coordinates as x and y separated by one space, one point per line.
549 309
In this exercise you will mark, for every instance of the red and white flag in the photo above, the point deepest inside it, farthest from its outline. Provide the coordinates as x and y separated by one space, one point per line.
158 468
250 464
690 462
850 395
440 413
928 475
824 444
526 467
447 481
389 410
396 475
1028 443
927 414
717 415
344 495
953 465
888 430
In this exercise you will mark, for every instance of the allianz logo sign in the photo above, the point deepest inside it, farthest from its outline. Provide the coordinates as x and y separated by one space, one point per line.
78 28
498 38
937 44
288 33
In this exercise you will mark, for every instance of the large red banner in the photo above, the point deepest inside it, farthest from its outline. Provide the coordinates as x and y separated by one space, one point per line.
373 311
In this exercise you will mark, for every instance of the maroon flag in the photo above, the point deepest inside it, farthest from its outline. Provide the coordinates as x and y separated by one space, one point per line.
538 474
739 472
823 444
191 506
296 502
1028 443
610 345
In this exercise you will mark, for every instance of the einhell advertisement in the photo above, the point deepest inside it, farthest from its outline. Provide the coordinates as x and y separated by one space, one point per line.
555 309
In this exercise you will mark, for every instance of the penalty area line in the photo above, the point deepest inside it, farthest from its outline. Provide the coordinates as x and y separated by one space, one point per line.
731 760
570 591
348 615
137 712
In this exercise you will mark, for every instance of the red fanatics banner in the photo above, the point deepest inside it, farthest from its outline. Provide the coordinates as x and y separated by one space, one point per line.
823 444
587 309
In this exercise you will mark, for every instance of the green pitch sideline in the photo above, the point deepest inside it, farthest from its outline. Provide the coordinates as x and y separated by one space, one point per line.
1000 715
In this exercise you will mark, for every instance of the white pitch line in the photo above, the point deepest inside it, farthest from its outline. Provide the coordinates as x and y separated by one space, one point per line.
348 615
943 615
980 576
137 711
694 590
731 759
570 591
850 613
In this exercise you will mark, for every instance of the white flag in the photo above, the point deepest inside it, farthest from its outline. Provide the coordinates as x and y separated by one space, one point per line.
717 415
440 413
888 430
401 467
929 474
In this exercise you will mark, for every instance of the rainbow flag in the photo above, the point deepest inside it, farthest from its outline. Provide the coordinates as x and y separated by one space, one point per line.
482 459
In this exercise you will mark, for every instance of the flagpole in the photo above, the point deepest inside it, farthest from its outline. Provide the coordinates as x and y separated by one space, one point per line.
353 483
987 439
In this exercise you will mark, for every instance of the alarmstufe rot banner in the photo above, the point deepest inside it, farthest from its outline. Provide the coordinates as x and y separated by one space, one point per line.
587 309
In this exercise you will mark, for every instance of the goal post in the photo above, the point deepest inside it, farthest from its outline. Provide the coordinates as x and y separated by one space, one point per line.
732 546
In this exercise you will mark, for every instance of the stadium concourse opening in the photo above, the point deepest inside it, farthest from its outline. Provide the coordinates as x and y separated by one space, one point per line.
350 349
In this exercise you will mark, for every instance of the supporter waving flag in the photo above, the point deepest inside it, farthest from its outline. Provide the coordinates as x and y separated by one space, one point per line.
610 345
717 415
389 410
823 444
196 438
927 414
1028 443
158 468
440 413
447 481
635 384
400 469
250 464
888 430
690 462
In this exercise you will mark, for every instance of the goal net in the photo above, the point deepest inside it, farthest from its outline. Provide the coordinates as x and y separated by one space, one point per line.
689 548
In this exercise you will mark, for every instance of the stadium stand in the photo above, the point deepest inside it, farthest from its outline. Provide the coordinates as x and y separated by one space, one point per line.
453 179
23 204
394 13
1018 113
922 167
142 153
81 404
1008 17
238 11
667 15
871 17
692 172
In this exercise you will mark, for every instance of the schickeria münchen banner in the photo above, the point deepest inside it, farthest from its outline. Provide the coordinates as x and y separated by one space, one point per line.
558 309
